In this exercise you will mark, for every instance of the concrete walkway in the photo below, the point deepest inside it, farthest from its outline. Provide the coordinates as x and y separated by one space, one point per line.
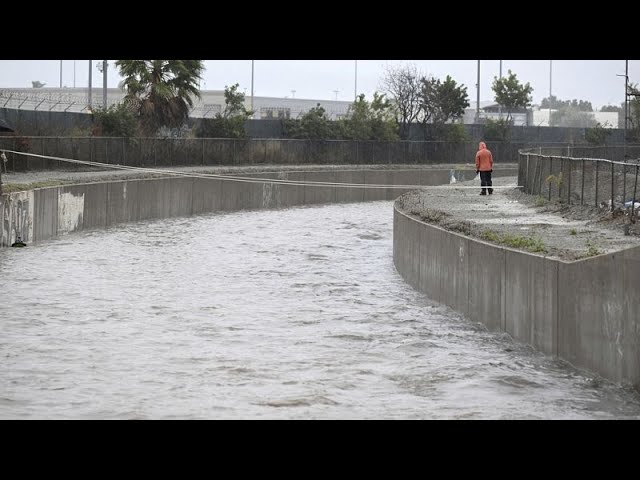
525 222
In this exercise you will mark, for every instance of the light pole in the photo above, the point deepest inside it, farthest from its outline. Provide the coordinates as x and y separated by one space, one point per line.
60 73
550 80
74 74
90 72
336 92
293 94
626 99
500 106
252 87
104 83
478 95
355 89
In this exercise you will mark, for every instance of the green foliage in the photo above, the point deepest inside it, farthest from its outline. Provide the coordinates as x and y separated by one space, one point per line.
611 108
511 94
369 121
572 117
160 92
555 180
597 135
37 84
234 103
456 133
496 130
441 102
573 231
556 104
114 121
230 123
530 244
314 125
220 127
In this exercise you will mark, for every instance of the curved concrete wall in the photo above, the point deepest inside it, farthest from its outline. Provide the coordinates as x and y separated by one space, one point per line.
48 212
586 312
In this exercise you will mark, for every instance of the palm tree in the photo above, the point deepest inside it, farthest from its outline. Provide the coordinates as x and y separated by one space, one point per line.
160 91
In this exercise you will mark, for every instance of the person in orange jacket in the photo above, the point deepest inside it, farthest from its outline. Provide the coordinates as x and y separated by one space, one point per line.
484 166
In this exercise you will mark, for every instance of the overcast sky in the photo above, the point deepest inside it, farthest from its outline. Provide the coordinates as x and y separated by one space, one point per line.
592 80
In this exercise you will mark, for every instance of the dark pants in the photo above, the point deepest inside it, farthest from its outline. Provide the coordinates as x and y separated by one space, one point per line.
485 181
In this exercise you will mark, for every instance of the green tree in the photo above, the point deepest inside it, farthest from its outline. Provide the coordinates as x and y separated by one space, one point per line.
229 123
160 92
511 94
370 121
314 125
114 121
442 102
598 134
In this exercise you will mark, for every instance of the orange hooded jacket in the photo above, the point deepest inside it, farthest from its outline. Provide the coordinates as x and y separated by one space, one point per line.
484 159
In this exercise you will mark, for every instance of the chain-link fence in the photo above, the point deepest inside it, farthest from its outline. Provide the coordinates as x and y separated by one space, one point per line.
594 176
166 152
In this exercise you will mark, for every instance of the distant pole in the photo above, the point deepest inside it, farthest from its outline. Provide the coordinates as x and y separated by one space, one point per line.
104 84
626 98
252 86
550 80
355 89
478 97
74 74
90 71
336 92
60 73
500 106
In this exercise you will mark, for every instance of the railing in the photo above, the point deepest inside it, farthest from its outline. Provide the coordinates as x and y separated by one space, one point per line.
581 177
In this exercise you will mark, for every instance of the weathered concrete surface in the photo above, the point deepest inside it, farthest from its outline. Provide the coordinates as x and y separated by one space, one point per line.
586 312
47 212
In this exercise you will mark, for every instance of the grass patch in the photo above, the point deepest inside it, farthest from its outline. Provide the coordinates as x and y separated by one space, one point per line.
21 187
541 201
573 231
535 245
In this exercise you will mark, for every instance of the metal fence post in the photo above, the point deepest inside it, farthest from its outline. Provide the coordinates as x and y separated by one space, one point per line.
550 173
612 185
635 186
569 181
597 170
582 190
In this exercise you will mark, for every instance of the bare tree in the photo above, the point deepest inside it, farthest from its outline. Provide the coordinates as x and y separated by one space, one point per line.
403 86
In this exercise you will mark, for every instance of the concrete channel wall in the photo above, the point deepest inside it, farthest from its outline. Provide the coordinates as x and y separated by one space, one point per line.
586 312
45 213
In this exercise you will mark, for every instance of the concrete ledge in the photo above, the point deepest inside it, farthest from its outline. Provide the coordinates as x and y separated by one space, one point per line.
586 312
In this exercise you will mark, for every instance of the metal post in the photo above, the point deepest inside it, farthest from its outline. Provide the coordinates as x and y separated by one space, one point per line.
355 89
60 73
90 72
203 151
478 96
569 183
612 186
104 84
624 184
582 191
74 74
597 169
550 173
252 87
635 187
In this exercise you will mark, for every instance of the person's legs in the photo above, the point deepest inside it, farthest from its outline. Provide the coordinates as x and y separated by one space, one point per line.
489 183
483 182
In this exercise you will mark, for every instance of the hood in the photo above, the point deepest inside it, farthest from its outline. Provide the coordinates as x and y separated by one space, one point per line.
482 146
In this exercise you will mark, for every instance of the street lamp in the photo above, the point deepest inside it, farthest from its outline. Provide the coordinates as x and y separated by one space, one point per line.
355 90
252 86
